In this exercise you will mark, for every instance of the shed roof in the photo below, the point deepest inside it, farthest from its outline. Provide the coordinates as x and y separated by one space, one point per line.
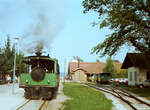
89 67
141 60
79 69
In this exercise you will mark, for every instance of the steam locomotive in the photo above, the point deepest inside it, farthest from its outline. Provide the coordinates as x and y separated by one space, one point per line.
102 78
41 79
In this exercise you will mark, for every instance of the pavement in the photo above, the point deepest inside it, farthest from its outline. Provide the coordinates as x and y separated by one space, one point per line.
8 99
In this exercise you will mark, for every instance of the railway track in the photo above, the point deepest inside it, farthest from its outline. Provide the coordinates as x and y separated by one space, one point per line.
22 105
132 101
43 106
33 104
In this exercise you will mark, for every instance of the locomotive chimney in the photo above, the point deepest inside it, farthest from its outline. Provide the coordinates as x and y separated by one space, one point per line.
38 53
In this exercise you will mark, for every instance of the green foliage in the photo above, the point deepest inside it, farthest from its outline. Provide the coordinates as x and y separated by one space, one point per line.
7 49
97 60
123 74
77 58
20 66
109 67
129 20
7 59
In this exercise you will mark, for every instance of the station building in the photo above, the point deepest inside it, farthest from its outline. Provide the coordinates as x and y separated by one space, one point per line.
82 71
138 65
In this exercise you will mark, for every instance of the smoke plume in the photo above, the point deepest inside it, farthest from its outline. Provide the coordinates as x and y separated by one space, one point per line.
38 21
49 24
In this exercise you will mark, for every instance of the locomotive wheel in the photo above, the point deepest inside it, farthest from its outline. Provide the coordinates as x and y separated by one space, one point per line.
35 94
54 92
48 95
27 93
30 93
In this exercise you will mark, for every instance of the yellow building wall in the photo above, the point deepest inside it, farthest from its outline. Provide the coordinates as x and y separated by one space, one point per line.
142 75
79 76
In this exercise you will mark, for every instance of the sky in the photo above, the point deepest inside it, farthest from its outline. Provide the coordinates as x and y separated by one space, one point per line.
60 26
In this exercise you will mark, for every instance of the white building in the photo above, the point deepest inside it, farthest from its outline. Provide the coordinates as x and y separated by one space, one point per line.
138 65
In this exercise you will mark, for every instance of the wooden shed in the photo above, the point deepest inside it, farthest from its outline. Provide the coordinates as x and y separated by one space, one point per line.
79 75
76 70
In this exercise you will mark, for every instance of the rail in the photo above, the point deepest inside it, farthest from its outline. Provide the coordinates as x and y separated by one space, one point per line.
23 105
121 94
43 105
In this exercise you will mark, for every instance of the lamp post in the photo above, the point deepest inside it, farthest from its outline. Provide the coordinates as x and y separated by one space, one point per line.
16 41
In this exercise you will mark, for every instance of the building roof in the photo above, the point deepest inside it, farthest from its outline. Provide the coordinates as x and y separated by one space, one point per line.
89 67
78 69
136 60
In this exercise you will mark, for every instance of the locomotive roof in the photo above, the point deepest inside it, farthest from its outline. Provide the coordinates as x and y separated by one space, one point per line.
38 57
30 59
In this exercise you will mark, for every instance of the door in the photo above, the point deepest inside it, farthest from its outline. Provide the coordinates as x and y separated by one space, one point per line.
148 75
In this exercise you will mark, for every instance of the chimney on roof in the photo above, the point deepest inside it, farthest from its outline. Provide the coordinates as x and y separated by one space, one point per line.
78 63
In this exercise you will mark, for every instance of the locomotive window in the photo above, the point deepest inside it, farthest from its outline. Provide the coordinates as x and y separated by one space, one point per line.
48 65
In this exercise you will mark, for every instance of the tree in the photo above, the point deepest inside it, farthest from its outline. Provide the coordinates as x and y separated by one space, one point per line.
77 58
20 66
109 67
7 59
97 60
129 20
116 61
7 47
123 74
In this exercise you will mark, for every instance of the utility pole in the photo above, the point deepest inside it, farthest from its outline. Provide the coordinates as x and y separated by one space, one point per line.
64 69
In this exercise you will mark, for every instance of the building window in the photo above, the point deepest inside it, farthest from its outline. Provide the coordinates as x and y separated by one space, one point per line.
135 75
130 76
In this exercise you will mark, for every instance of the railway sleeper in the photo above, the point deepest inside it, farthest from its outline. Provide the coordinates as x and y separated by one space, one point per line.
36 93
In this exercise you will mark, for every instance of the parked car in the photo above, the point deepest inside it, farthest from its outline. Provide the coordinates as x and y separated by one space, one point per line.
126 81
111 80
146 83
123 81
116 80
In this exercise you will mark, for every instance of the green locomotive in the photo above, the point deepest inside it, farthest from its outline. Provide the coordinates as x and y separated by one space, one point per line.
102 78
41 79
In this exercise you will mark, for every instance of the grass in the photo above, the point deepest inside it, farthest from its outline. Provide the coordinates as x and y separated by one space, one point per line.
84 98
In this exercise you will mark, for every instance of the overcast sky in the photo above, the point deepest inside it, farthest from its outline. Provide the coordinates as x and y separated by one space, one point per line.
60 25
